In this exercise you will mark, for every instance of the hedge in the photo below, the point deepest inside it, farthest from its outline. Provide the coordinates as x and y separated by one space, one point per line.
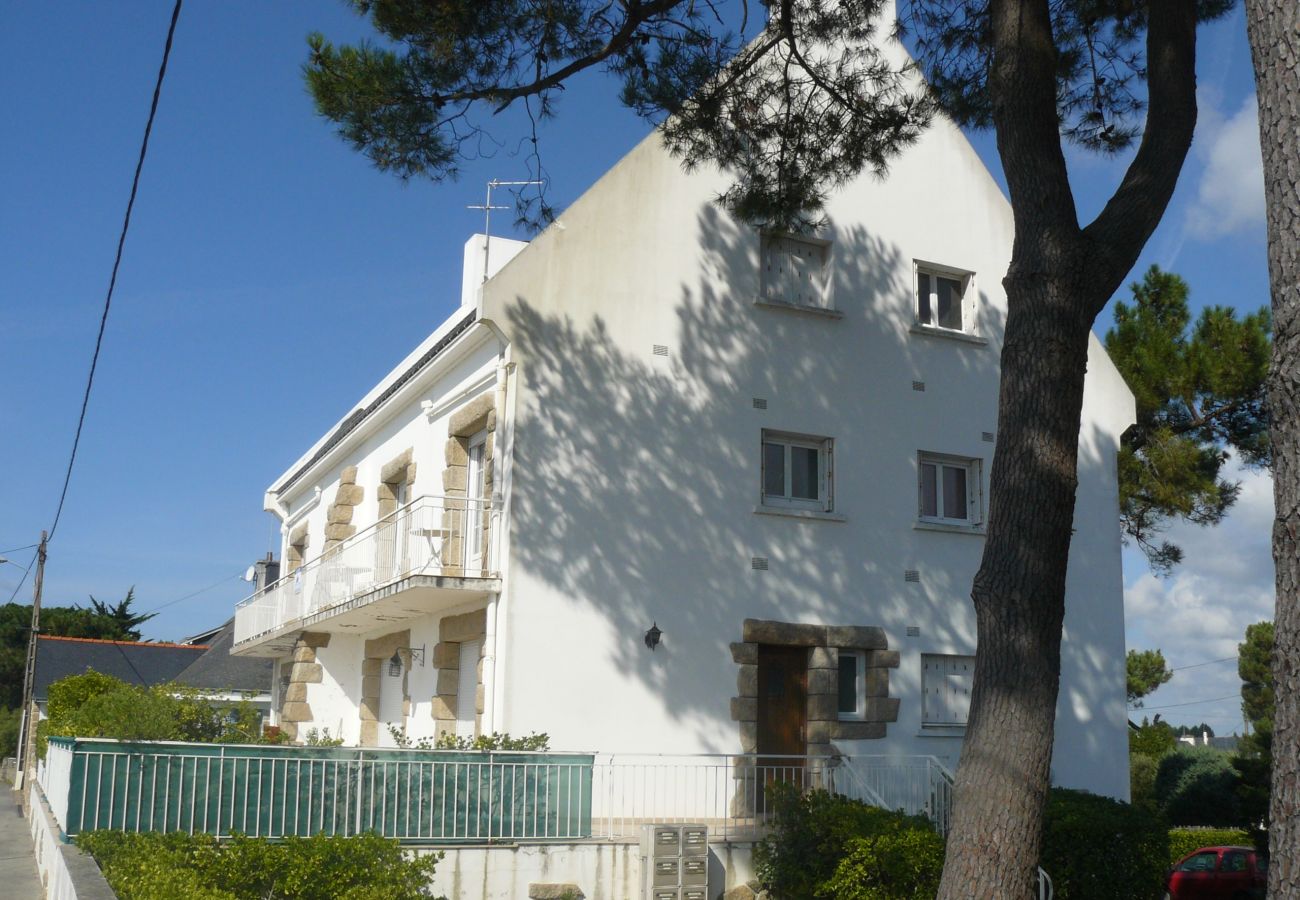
1183 841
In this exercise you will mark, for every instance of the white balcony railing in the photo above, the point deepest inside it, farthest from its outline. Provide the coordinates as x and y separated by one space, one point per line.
440 536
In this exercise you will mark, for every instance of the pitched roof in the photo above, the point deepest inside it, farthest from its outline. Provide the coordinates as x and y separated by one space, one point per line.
217 670
133 662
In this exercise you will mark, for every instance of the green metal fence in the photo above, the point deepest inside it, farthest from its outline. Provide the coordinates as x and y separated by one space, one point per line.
416 796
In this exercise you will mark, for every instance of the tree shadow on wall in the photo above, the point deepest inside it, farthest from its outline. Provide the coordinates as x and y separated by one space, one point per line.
636 476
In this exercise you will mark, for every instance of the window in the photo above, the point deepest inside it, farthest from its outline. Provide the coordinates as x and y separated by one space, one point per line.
853 665
794 271
945 688
1201 862
796 471
950 490
943 299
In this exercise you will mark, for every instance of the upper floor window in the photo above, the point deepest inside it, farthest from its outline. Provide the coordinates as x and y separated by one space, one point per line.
795 271
945 298
950 489
796 471
946 682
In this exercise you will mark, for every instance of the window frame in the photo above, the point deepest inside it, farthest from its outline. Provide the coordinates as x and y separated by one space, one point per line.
926 659
966 304
859 712
824 447
770 290
974 469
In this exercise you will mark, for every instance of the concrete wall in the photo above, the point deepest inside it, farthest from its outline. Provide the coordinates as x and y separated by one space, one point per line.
66 872
603 871
636 472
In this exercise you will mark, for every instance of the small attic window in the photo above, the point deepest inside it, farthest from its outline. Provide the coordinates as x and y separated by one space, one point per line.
795 271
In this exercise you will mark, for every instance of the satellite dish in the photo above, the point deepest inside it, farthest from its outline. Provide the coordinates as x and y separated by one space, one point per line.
250 574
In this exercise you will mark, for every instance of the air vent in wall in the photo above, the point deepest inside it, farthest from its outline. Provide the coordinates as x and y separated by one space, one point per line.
987 436
913 631
760 403
660 350
758 563
911 575
918 385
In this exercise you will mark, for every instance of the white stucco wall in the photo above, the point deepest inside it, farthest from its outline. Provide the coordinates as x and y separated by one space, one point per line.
636 475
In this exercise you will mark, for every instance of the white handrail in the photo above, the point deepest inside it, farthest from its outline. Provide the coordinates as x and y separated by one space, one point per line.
431 535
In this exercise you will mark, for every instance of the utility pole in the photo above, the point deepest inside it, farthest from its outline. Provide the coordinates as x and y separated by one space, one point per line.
25 730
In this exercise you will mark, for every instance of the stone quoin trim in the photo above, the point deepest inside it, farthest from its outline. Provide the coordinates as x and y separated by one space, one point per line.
824 643
338 520
452 632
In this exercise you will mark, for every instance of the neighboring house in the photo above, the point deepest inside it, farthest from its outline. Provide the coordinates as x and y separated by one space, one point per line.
136 662
225 677
769 451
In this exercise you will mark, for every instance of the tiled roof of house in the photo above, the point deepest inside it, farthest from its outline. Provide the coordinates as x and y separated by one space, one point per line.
134 662
217 670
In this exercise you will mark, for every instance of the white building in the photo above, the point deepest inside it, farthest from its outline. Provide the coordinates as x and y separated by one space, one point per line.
773 449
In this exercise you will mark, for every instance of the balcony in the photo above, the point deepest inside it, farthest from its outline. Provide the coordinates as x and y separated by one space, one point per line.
430 554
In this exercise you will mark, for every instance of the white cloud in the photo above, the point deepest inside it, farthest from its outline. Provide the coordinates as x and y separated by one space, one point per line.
1200 613
1230 193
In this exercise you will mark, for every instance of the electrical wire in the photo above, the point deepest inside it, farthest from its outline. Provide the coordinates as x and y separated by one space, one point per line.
18 549
1208 662
117 262
23 580
1188 703
215 584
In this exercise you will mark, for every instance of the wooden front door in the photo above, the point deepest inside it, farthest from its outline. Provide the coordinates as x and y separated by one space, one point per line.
782 715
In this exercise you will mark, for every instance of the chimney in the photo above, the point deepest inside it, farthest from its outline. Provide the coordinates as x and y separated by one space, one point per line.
484 257
265 572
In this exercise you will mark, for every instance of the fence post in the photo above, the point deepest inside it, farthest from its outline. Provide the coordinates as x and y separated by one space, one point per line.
361 777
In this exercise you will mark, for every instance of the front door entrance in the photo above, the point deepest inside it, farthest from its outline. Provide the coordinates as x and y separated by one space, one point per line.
782 715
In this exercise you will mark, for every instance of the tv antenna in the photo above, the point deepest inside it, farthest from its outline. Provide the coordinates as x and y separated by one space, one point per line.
487 208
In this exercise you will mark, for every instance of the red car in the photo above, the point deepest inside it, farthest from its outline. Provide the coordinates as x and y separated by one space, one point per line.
1211 873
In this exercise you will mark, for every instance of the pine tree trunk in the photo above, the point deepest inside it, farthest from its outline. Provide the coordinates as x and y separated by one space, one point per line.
1274 30
1019 596
1059 279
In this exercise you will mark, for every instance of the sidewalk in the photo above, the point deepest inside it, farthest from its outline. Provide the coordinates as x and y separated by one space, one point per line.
17 857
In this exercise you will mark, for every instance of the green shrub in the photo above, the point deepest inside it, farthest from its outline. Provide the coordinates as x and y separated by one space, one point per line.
1198 786
1096 848
810 835
448 741
1142 777
169 866
1183 841
900 864
1152 740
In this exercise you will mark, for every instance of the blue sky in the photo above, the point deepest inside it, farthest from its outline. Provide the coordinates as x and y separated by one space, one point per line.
271 276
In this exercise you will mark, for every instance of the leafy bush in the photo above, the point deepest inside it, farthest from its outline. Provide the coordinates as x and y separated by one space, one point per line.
812 833
448 741
1198 786
1183 841
902 863
1142 778
167 866
1096 848
1153 740
96 705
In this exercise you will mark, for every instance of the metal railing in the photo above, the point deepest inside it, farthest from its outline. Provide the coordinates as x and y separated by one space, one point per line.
729 792
421 796
431 535
414 796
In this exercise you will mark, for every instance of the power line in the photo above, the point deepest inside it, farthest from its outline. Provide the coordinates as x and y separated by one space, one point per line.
117 262
1188 703
215 584
23 580
18 549
1208 662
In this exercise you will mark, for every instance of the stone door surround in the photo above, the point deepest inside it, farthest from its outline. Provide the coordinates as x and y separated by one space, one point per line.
824 643
475 416
452 632
374 668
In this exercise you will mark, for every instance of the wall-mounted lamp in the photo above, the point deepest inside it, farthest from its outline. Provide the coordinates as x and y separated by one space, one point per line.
653 636
395 661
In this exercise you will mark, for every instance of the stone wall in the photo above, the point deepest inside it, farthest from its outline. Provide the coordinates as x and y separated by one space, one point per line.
303 670
823 643
452 632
